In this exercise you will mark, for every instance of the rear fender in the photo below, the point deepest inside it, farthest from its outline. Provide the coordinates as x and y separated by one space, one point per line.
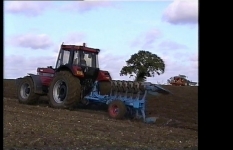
17 81
37 83
104 76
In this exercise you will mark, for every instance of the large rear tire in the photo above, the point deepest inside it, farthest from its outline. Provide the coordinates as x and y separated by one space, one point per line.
25 91
105 87
64 90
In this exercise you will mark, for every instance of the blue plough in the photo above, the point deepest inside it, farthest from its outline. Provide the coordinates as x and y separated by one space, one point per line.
127 98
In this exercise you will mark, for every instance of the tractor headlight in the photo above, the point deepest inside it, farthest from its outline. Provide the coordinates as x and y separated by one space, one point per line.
80 73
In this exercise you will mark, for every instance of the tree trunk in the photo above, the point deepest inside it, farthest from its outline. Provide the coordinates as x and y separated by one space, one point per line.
140 79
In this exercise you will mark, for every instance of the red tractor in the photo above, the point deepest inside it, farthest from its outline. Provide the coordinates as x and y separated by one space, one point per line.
180 80
72 78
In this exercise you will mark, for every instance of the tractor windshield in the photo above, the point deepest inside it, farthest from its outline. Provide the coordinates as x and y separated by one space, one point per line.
63 58
84 58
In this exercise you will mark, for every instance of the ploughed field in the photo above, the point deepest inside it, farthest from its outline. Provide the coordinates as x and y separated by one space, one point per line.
41 127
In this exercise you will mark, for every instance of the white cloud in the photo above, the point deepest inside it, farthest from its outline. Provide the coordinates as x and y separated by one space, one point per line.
171 45
147 39
182 12
113 64
74 38
18 66
176 66
85 6
194 58
28 8
33 41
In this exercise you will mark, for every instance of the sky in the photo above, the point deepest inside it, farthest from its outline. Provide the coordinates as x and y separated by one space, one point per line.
34 31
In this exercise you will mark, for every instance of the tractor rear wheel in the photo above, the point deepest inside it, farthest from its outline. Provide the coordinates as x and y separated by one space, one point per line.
25 91
64 90
105 87
117 109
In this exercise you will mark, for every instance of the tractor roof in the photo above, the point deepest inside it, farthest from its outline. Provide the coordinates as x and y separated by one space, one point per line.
80 48
179 77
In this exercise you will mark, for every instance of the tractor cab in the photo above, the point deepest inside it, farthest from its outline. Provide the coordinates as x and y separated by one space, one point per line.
81 60
78 56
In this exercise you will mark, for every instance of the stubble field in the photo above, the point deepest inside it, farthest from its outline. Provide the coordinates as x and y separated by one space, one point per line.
41 127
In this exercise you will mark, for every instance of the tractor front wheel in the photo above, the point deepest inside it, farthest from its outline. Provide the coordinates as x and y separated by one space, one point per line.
25 91
64 90
117 109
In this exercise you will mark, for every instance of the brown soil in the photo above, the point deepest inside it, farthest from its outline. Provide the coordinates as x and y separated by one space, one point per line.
42 127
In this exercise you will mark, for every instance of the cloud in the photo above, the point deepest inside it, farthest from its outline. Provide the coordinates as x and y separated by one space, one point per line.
171 45
185 56
175 65
18 66
182 12
33 41
147 39
193 57
113 64
28 8
74 38
85 6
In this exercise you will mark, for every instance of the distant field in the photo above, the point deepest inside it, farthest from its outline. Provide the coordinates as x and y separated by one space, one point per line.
42 127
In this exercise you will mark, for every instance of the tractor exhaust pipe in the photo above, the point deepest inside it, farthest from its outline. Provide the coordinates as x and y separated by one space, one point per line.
84 44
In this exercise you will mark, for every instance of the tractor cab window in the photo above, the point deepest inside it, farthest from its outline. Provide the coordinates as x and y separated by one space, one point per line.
88 59
76 58
63 58
66 57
